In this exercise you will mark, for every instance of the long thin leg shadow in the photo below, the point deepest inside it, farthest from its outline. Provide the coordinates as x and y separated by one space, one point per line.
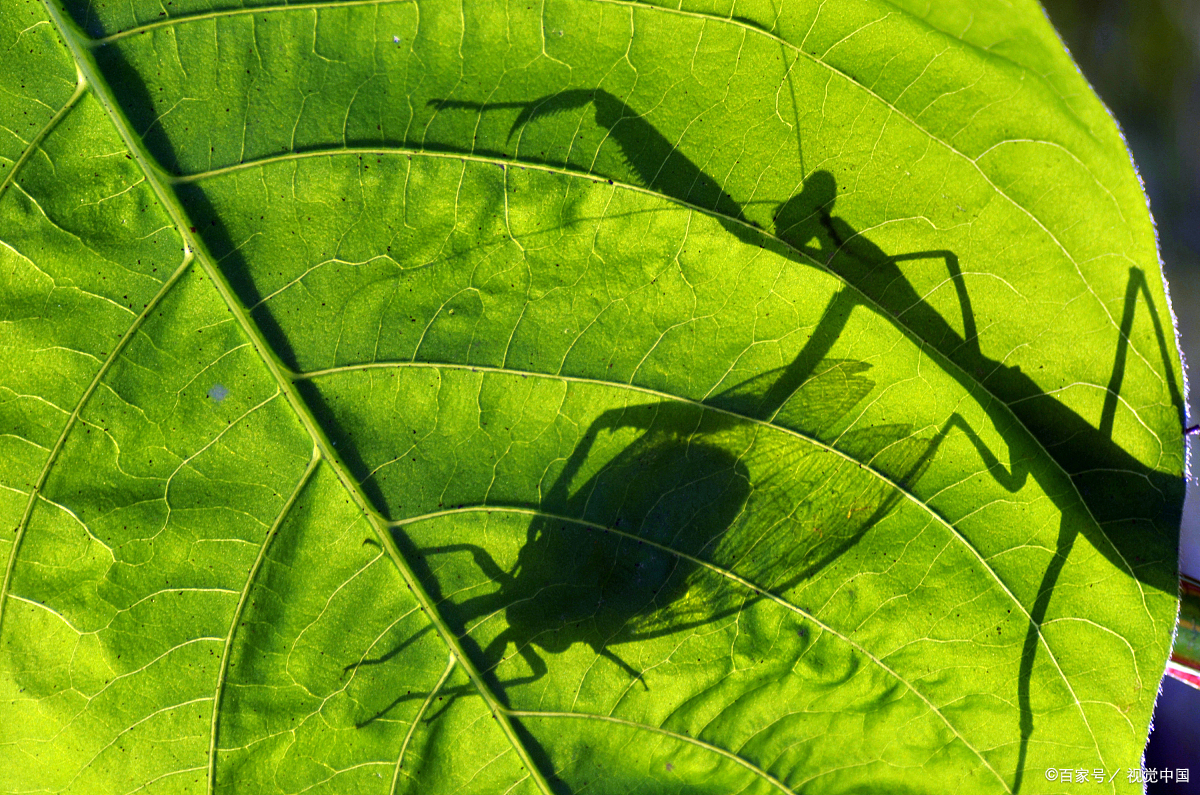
1068 533
967 351
648 152
390 654
656 160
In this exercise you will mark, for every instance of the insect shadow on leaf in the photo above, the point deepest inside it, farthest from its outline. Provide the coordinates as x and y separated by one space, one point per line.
657 162
1124 502
640 544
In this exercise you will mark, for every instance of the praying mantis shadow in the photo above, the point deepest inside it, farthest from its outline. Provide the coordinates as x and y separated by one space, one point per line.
674 532
1122 501
1122 497
1127 499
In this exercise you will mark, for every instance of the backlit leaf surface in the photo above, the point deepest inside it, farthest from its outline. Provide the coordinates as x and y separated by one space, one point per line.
564 397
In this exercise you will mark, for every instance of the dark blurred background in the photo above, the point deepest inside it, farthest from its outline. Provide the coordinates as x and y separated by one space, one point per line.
1143 59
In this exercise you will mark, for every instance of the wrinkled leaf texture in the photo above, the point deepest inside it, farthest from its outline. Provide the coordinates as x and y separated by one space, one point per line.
567 396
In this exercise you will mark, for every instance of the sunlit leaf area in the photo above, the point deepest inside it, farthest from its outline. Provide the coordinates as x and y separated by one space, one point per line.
574 396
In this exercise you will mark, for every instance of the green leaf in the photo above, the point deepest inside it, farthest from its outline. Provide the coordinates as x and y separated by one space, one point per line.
573 397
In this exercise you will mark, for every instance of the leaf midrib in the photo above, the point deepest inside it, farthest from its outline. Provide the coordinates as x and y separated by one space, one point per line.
782 42
516 160
733 577
154 172
941 359
81 54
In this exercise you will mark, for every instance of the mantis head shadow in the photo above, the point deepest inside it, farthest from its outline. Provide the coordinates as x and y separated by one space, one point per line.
597 578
